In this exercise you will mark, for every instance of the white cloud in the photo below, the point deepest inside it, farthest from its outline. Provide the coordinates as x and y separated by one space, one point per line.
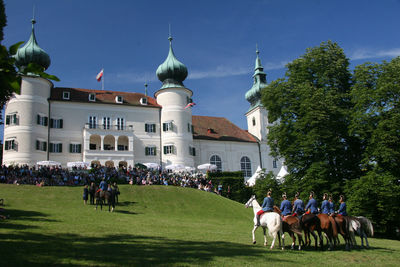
367 54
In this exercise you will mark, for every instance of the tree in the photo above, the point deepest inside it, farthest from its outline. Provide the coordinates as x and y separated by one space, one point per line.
310 111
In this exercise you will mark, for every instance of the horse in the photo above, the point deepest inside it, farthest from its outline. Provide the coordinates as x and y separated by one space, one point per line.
310 223
362 226
270 220
103 197
328 227
291 225
342 224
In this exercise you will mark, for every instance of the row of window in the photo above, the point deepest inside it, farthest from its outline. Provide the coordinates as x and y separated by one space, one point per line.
57 147
245 164
92 98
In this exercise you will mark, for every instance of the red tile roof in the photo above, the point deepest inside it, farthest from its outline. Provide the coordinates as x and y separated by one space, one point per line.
219 129
102 96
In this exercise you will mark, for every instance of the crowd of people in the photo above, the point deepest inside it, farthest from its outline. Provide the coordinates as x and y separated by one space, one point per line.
55 176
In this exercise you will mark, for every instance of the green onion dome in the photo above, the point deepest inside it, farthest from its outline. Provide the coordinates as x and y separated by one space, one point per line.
171 72
259 83
32 53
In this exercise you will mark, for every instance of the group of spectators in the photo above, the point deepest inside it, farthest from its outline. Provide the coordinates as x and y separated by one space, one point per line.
55 176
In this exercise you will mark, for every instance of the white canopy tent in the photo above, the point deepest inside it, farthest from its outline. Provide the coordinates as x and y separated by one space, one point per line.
151 165
78 164
257 174
282 173
48 163
175 167
207 166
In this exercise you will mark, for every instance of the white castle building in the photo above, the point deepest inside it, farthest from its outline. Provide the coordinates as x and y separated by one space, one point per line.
113 128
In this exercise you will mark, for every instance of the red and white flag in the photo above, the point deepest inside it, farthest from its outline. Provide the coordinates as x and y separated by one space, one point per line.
189 105
98 77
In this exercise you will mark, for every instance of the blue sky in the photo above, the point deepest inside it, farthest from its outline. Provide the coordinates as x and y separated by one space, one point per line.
216 40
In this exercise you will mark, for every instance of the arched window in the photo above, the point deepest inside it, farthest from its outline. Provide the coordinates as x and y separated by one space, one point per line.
245 166
216 160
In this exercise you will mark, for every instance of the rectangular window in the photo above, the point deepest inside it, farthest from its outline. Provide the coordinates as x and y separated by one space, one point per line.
169 149
11 145
56 123
12 119
150 128
106 123
75 148
122 148
150 151
41 145
92 146
55 147
92 97
274 164
192 151
168 126
66 95
92 122
42 120
120 124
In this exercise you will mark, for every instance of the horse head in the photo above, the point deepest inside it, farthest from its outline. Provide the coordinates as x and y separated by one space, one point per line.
249 203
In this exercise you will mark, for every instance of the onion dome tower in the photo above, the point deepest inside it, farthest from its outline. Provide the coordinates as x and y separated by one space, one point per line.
30 110
176 120
32 53
172 72
259 82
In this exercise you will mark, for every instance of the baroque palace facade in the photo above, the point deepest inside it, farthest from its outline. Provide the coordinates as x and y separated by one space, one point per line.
113 128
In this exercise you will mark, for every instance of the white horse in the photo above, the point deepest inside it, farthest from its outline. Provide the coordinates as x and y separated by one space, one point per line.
270 220
362 226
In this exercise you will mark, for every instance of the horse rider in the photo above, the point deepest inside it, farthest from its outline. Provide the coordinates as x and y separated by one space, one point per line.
286 206
342 208
331 206
325 206
103 185
298 205
312 205
267 206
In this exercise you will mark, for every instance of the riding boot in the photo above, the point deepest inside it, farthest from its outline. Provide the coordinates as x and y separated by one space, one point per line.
258 220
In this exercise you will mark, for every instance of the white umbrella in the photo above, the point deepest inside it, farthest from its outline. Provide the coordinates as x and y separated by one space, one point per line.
78 164
175 167
207 166
151 165
48 163
189 169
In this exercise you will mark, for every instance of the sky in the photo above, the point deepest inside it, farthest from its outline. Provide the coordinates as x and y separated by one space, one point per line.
216 40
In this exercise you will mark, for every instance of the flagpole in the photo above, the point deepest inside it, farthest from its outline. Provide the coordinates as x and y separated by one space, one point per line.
102 82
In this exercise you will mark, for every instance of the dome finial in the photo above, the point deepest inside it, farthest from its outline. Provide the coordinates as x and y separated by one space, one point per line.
257 51
145 88
169 35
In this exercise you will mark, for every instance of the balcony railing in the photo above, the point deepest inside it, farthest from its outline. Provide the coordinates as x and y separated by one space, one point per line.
109 127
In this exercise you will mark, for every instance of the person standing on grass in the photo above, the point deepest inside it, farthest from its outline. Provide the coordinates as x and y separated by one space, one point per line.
85 194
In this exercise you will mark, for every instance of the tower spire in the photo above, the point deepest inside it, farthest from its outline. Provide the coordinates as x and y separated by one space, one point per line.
259 82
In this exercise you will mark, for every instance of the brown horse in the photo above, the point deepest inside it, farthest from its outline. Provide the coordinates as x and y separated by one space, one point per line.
311 223
103 197
343 228
328 226
291 225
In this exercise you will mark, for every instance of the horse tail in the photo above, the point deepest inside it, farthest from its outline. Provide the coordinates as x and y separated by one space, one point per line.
276 226
369 226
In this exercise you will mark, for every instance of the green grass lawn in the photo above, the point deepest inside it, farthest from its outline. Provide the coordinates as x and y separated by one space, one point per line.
152 225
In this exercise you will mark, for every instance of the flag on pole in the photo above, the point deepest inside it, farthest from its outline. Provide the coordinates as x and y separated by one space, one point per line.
189 105
98 77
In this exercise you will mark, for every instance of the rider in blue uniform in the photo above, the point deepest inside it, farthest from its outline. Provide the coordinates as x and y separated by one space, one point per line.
325 204
331 206
286 206
267 206
342 208
103 185
312 205
298 205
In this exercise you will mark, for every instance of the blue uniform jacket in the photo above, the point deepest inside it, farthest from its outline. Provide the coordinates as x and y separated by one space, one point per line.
298 206
325 207
286 207
268 204
103 185
342 209
312 205
331 207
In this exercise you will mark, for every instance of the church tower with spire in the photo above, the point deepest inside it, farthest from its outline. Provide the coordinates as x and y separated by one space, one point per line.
26 131
257 115
176 120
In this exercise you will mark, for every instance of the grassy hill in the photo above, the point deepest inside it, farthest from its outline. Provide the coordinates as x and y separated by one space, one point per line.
152 225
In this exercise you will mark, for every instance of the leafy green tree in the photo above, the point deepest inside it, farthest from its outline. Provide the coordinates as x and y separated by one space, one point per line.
264 184
310 110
